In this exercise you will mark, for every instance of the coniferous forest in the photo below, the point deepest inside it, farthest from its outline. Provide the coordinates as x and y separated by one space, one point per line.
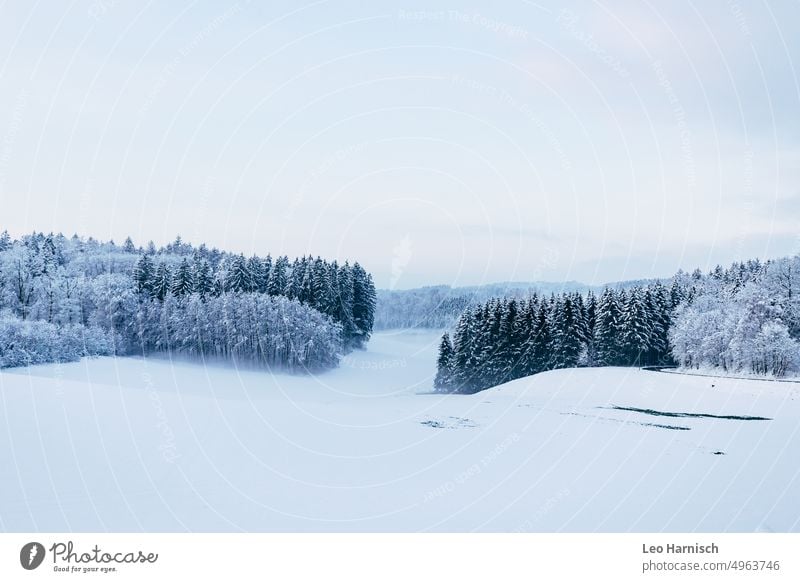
64 298
744 319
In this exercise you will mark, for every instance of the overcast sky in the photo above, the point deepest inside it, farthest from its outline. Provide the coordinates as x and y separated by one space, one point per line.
434 142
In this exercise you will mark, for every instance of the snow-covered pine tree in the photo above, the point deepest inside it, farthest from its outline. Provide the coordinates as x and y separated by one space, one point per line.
278 278
608 329
363 305
443 382
266 265
464 351
541 341
258 281
590 319
203 278
568 332
321 291
183 281
144 275
238 278
508 348
162 282
294 285
343 312
636 328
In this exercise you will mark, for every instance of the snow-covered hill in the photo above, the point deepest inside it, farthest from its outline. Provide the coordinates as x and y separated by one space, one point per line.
127 445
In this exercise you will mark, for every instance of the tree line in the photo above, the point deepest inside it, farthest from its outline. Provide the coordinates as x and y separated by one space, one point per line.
64 298
741 320
505 339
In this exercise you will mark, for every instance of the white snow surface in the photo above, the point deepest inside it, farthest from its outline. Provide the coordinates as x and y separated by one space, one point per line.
129 444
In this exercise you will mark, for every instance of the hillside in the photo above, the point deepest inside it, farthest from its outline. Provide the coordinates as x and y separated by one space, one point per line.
129 444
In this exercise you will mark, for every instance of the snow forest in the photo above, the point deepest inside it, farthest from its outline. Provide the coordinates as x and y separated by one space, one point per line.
740 320
64 298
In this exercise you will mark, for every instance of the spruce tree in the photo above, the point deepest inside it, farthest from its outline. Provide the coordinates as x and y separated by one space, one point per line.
636 328
590 325
541 341
144 274
266 273
343 310
364 301
567 333
162 282
203 278
443 380
278 277
508 350
258 282
608 330
464 356
238 278
183 282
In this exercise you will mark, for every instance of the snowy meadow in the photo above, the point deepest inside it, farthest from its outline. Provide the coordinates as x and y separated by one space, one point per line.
132 444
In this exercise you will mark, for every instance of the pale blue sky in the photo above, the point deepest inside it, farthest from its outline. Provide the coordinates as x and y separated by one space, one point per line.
435 142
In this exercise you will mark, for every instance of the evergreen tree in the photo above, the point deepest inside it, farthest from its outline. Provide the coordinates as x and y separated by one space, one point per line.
568 342
636 328
608 329
238 278
258 281
541 341
203 278
464 356
364 300
443 380
278 279
489 365
183 282
590 319
266 273
508 350
144 275
162 282
343 308
321 291
294 283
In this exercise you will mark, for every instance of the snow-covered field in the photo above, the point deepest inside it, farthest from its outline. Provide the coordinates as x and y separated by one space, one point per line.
130 445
